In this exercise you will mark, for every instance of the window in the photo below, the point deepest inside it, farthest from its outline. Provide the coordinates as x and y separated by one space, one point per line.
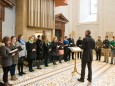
88 11
93 6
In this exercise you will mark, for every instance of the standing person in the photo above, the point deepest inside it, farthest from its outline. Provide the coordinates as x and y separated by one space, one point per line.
45 51
88 45
112 45
31 52
71 44
60 49
14 58
6 59
39 44
98 47
22 54
79 44
106 44
66 50
54 49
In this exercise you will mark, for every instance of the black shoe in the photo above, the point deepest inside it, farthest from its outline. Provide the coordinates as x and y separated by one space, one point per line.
111 63
80 80
89 80
104 61
23 73
39 68
46 65
54 64
20 74
31 70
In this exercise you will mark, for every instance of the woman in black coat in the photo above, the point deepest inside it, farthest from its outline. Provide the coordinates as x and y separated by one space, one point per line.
39 45
54 49
46 51
31 52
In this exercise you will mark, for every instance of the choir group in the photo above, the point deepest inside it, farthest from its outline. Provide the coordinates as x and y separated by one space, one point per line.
15 50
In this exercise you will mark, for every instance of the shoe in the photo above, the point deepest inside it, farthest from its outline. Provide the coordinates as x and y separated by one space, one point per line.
89 80
39 68
23 73
104 61
80 80
54 64
20 74
111 63
46 65
13 78
7 84
31 70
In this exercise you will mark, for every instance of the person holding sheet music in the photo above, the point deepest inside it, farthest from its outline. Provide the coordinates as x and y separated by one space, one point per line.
66 50
31 52
22 54
71 44
14 58
6 59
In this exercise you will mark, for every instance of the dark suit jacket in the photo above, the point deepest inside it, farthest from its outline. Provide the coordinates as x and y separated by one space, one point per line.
88 45
71 42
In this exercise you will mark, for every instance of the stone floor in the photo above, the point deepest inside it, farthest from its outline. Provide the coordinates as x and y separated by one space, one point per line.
61 75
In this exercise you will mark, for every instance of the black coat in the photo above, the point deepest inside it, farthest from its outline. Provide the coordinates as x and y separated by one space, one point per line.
39 44
54 48
79 43
88 45
46 50
106 44
71 42
31 55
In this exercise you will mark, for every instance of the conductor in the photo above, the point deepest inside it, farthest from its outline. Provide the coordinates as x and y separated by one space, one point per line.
88 45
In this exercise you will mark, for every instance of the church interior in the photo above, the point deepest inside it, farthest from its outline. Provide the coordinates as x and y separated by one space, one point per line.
46 22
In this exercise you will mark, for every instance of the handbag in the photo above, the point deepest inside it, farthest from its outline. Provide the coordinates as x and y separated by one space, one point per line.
60 52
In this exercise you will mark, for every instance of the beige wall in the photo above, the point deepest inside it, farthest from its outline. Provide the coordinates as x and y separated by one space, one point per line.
21 22
105 23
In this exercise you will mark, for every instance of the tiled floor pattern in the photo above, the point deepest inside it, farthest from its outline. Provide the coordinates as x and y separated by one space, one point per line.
60 75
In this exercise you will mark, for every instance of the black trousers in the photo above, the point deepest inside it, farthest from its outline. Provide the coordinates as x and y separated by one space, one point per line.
45 59
79 55
98 55
5 73
89 65
66 53
20 64
30 64
70 54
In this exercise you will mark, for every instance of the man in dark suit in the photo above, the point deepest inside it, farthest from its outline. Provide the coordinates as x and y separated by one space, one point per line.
88 45
79 44
71 44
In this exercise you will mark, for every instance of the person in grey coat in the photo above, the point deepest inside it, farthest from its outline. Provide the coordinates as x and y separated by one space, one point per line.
22 54
6 60
14 58
88 45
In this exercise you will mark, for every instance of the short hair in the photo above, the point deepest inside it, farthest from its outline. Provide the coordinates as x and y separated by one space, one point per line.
88 32
106 36
79 37
65 37
38 36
